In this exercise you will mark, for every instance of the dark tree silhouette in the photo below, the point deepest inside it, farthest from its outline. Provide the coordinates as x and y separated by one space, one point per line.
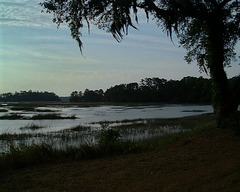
208 29
28 96
87 96
188 90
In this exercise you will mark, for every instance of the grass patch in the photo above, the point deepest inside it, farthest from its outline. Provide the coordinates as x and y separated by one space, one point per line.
109 142
206 162
45 110
22 108
51 116
9 137
13 116
195 111
3 110
24 156
120 122
32 126
78 128
203 159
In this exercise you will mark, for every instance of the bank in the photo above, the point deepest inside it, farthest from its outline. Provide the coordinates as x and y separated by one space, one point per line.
207 159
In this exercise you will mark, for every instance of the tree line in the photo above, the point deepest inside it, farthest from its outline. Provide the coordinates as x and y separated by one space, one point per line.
208 30
25 96
186 90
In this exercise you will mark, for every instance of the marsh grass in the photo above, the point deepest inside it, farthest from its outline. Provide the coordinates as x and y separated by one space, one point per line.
51 116
23 155
79 128
205 159
13 116
46 110
22 108
32 126
16 116
195 111
3 110
108 142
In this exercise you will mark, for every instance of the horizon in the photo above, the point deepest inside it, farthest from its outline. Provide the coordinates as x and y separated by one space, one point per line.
88 88
104 90
93 89
35 55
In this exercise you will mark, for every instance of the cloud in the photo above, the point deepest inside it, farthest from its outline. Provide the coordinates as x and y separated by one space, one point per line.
23 13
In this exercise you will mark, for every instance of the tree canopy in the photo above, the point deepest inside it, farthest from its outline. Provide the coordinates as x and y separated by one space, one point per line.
187 90
191 20
28 96
208 29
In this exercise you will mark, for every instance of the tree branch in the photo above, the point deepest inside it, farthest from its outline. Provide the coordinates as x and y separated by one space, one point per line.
224 2
149 6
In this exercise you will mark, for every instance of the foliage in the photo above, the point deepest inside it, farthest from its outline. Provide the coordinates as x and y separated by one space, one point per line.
110 143
32 126
208 30
187 90
208 161
87 96
109 136
28 96
191 20
24 156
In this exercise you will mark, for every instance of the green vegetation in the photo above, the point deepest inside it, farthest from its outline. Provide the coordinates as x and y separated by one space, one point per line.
15 116
208 30
187 90
32 126
26 96
24 156
109 141
202 159
52 116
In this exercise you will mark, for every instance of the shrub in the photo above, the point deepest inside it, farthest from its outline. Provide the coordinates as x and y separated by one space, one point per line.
109 136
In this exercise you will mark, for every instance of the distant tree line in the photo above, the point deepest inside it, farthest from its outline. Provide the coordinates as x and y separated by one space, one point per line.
87 96
187 90
28 96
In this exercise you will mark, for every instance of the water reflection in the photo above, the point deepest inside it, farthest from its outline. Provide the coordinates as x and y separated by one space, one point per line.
88 115
133 123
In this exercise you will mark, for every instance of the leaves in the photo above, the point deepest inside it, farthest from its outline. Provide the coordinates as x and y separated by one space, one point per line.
189 19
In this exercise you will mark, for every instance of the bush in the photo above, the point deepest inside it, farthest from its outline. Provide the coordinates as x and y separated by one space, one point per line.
109 136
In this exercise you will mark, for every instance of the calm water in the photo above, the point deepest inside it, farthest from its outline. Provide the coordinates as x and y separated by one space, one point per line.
90 115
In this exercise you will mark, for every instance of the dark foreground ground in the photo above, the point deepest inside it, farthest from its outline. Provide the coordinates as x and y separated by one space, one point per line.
209 161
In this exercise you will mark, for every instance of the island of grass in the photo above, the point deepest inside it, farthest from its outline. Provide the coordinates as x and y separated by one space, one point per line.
16 116
52 116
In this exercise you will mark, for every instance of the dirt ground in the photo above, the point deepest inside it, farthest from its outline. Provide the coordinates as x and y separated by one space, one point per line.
209 161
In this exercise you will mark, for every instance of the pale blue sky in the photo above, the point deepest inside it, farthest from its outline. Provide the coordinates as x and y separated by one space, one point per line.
35 55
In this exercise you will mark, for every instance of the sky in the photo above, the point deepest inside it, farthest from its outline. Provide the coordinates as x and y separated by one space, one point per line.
36 55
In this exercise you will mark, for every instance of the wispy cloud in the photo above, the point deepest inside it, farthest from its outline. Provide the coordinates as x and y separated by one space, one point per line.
23 13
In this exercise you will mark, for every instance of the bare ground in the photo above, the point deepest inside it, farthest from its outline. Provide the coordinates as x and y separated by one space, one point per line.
209 161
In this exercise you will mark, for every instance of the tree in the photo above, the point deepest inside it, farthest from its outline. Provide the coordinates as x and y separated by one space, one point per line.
28 96
93 96
75 96
208 29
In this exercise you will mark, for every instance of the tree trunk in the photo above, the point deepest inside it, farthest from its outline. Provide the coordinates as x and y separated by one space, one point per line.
225 109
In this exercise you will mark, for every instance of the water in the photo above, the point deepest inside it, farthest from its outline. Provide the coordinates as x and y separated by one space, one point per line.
92 116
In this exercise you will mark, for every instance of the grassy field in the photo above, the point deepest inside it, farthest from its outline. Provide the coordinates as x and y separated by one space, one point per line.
204 159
